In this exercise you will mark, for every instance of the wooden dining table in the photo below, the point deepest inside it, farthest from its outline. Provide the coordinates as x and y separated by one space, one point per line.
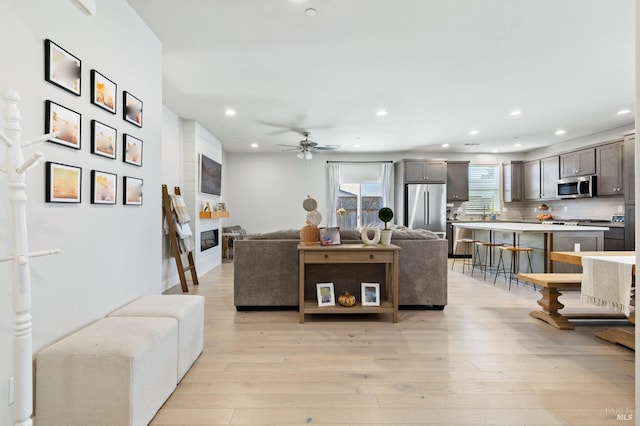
622 336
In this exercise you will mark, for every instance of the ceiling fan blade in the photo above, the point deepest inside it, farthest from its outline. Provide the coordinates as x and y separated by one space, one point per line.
328 147
291 146
290 149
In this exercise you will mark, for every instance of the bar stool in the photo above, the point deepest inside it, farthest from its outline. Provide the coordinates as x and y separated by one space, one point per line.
487 247
515 263
468 248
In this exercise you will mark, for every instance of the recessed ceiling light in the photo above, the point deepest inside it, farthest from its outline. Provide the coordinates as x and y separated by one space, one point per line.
517 145
357 146
382 113
254 145
230 112
560 132
311 12
494 150
473 132
623 111
515 112
445 145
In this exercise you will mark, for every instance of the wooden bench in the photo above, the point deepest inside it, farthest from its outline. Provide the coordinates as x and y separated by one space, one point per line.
550 284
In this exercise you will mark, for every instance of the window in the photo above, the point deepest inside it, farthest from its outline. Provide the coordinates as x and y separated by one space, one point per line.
484 189
361 202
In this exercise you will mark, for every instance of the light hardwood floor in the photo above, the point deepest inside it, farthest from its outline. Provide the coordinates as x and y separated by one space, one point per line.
481 361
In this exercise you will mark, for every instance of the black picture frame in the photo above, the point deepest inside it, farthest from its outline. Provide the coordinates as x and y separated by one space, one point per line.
132 150
63 183
104 140
104 92
69 122
132 109
133 190
104 187
61 68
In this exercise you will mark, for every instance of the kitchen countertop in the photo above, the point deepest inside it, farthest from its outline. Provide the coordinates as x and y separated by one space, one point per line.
526 227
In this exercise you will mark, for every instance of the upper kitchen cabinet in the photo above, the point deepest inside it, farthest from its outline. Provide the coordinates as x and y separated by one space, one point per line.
532 180
512 176
578 163
609 164
457 181
549 175
628 177
425 171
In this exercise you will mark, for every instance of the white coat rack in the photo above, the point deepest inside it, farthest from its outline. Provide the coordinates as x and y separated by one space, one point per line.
16 169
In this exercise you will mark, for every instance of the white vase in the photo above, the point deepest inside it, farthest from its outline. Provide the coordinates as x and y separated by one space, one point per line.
364 236
385 237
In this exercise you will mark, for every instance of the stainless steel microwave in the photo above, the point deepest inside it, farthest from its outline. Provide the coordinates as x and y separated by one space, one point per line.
578 187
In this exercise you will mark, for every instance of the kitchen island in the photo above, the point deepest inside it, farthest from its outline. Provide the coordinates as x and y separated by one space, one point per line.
543 239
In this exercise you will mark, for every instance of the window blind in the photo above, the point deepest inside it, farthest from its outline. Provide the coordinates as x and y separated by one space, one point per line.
484 188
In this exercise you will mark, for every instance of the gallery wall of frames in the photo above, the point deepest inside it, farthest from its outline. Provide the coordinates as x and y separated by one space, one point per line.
121 143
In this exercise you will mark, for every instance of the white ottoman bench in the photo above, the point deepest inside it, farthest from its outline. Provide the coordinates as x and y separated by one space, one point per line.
116 371
187 309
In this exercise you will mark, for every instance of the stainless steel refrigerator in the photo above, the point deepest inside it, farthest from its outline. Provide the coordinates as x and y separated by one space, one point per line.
425 206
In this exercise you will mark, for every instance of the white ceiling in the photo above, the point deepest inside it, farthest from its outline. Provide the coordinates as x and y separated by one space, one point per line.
439 67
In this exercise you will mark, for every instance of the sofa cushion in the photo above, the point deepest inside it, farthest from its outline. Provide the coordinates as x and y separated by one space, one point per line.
413 234
294 234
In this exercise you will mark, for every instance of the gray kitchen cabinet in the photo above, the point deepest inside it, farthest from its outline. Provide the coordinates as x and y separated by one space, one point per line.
549 175
425 171
630 227
609 165
457 181
628 169
513 178
578 163
532 180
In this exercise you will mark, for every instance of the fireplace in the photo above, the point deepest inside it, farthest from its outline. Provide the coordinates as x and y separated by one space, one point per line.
208 239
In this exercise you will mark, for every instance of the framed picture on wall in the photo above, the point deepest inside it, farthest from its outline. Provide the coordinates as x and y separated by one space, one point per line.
132 109
103 92
63 183
61 68
132 150
65 121
104 187
103 139
370 294
132 191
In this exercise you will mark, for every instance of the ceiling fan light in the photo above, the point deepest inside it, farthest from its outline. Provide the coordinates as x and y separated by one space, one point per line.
308 155
300 155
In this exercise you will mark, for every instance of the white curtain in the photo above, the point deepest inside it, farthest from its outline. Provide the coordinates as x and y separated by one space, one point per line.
387 185
334 188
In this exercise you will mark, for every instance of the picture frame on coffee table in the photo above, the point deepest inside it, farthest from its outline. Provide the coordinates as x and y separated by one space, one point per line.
370 294
326 294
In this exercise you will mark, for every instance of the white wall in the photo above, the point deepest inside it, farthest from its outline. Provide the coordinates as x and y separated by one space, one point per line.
110 254
197 140
172 176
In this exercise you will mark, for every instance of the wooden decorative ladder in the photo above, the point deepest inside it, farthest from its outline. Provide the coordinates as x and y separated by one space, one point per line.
175 248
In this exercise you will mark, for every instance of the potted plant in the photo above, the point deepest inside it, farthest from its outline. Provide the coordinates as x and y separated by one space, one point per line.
385 214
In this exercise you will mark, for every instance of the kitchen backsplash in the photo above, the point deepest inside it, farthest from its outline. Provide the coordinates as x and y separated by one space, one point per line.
586 208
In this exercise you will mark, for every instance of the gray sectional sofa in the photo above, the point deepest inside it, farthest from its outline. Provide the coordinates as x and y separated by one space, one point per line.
266 270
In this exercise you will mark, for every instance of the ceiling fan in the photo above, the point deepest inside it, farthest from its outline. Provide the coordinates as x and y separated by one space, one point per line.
307 148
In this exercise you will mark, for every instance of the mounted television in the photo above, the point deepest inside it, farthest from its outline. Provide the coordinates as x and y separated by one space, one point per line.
210 176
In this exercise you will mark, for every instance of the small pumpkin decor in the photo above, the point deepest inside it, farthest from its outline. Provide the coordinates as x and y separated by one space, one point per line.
347 300
310 234
385 214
